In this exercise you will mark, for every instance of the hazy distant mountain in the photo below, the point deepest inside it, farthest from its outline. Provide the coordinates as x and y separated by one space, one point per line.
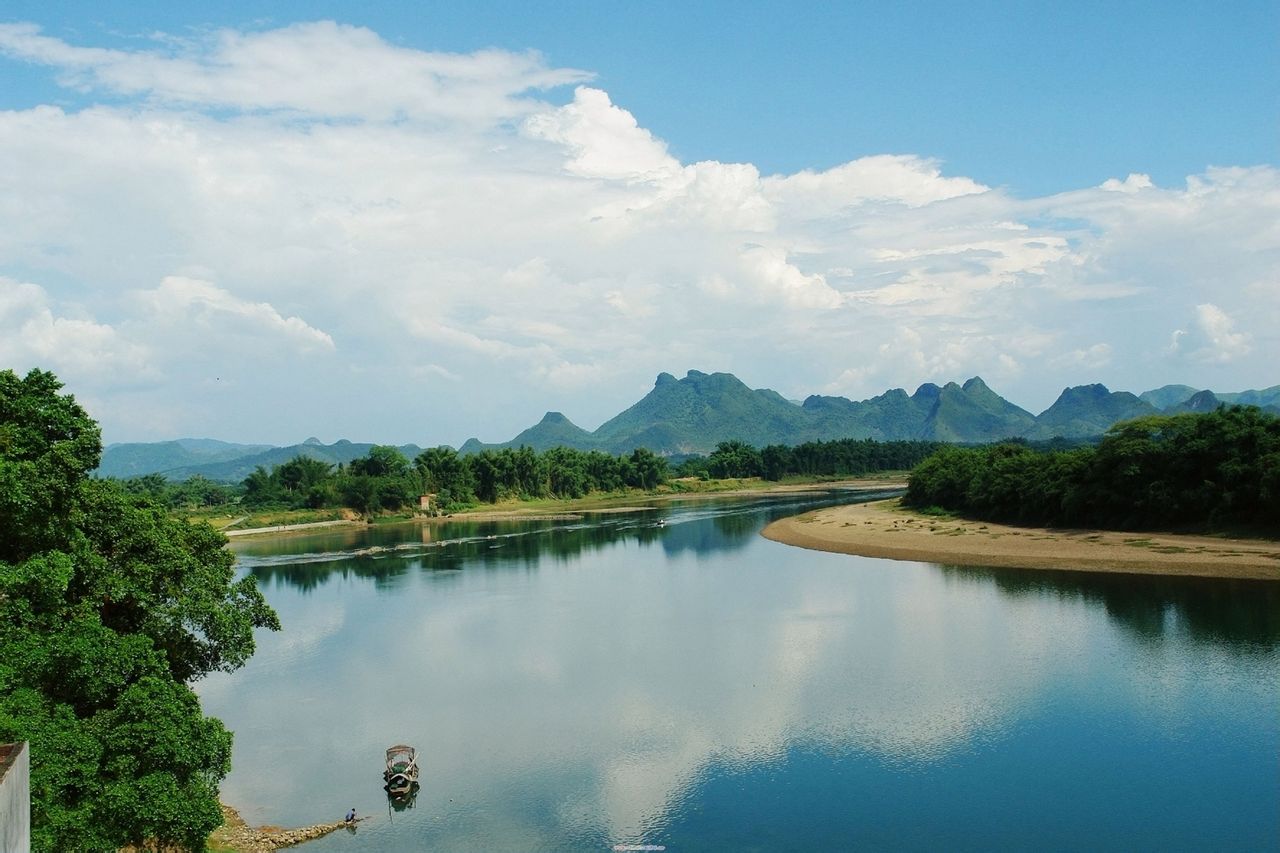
554 430
891 415
973 413
234 462
1173 398
1167 395
1088 410
693 414
1264 398
1201 401
132 460
689 415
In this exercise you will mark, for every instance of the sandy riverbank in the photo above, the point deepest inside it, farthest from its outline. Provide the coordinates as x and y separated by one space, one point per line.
885 529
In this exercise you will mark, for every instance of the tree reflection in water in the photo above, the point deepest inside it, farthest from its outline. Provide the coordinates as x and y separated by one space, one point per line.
1242 613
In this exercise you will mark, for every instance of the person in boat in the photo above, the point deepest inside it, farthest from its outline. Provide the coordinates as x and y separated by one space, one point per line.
351 815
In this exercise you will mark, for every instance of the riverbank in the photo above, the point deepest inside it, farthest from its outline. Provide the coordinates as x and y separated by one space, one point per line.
886 529
572 509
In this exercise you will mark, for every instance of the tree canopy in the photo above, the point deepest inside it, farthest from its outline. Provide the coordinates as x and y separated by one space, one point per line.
1214 470
109 609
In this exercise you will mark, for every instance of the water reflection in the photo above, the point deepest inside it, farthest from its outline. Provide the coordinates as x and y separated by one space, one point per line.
572 685
385 553
1244 614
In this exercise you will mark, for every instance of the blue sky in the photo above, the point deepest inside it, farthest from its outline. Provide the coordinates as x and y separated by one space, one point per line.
1038 97
401 204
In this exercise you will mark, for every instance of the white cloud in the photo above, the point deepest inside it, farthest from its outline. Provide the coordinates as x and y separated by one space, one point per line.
1132 184
604 141
297 187
902 179
77 348
1098 355
1210 337
322 68
185 302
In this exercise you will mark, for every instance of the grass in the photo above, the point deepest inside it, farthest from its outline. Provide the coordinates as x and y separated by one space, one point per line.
244 519
936 512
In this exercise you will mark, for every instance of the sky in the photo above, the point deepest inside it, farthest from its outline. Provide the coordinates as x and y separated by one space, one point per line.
426 222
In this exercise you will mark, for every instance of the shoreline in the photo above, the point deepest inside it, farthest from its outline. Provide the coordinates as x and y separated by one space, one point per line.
573 509
236 835
885 529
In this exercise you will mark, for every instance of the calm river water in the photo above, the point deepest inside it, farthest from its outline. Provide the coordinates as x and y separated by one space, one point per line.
576 685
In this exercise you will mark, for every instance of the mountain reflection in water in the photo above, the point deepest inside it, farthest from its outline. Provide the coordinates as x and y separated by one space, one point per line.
579 684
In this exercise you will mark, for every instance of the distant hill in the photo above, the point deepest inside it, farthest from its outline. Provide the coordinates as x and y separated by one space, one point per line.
692 415
234 462
972 413
1201 401
684 414
134 460
554 430
689 415
1175 398
1087 410
1267 397
1167 395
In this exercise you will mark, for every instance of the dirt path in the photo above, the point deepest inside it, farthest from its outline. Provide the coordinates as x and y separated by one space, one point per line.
885 529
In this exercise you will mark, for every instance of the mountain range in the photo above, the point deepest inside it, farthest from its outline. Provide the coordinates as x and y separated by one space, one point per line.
693 414
220 460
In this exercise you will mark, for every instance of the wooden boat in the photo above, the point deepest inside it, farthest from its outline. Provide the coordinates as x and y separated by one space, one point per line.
401 774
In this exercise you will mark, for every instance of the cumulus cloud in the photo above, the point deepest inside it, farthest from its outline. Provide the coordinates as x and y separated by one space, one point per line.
77 348
316 200
604 141
1098 355
903 179
1210 337
184 302
1132 184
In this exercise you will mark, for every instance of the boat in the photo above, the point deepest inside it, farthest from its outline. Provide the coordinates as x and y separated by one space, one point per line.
401 774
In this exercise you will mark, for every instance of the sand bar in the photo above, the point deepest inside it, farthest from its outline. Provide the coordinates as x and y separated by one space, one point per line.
885 529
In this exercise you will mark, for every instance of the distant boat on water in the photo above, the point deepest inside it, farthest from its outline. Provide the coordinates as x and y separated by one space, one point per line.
401 775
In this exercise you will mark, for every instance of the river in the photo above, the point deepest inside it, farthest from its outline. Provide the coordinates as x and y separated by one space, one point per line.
670 678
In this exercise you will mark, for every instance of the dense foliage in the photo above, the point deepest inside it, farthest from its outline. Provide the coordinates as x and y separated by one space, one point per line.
385 479
843 458
195 491
1214 470
109 608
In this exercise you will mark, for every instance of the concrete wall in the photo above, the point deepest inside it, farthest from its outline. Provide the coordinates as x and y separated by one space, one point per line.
15 798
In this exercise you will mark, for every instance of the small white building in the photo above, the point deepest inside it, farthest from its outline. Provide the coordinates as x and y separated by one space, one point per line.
15 798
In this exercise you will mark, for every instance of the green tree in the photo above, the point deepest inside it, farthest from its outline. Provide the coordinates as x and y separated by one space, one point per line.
648 469
382 460
109 608
735 459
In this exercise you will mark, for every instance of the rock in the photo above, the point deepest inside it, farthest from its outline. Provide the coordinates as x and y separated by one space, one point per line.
239 836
